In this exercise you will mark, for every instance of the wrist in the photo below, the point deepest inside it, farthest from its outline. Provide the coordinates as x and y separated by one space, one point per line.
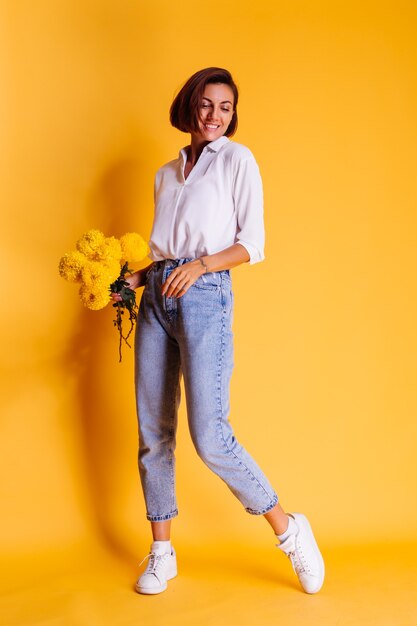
140 277
203 264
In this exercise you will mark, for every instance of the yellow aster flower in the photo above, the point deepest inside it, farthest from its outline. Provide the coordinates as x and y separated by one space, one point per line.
93 273
113 269
90 242
94 298
100 275
71 264
134 247
109 250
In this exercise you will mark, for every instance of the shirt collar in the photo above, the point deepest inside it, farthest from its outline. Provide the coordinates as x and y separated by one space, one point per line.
217 143
213 146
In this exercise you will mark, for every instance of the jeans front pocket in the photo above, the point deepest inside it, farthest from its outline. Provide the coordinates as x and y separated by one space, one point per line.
210 281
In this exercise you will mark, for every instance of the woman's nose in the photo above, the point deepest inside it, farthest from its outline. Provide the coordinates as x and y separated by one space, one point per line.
213 114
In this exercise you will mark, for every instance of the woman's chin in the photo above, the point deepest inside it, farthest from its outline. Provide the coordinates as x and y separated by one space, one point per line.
212 135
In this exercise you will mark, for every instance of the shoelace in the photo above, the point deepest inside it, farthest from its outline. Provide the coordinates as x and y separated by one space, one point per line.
297 559
155 562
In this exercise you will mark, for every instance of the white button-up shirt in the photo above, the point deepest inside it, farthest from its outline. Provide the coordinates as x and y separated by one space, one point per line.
220 203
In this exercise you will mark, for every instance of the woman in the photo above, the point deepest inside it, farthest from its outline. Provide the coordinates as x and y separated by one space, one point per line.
208 219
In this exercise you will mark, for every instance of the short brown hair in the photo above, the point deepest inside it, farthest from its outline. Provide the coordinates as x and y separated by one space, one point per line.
184 112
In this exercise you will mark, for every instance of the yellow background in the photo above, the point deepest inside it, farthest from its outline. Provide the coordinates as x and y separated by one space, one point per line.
324 387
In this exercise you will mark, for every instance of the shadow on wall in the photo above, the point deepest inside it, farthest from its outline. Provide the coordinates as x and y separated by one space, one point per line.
93 361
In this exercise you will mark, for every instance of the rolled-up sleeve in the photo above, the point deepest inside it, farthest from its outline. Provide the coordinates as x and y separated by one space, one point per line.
248 203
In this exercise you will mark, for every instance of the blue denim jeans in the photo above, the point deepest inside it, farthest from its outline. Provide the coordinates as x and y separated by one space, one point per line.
190 336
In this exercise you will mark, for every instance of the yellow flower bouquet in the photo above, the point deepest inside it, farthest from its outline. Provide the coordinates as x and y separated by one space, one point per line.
100 264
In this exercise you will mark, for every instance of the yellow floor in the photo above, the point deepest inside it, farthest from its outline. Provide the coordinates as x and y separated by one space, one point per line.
218 585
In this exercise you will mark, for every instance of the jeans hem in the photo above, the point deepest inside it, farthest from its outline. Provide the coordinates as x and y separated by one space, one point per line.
266 509
162 518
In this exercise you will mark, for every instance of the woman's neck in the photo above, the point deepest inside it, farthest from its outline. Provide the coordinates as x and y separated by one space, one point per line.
195 149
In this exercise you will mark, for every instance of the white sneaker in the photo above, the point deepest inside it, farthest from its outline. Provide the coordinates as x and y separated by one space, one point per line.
304 554
161 567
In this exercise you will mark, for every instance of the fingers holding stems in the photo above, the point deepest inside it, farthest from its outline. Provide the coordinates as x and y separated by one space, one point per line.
134 281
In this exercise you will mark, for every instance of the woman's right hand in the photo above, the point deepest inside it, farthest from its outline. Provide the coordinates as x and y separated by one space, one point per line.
135 280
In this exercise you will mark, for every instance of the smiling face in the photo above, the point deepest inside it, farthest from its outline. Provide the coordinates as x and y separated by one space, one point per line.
216 112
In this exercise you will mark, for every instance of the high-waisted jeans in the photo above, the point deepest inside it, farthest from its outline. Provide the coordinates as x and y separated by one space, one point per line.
190 336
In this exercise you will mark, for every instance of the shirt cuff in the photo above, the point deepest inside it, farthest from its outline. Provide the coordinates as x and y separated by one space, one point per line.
255 255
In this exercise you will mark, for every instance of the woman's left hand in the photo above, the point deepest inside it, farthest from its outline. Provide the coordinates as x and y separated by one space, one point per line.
181 278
